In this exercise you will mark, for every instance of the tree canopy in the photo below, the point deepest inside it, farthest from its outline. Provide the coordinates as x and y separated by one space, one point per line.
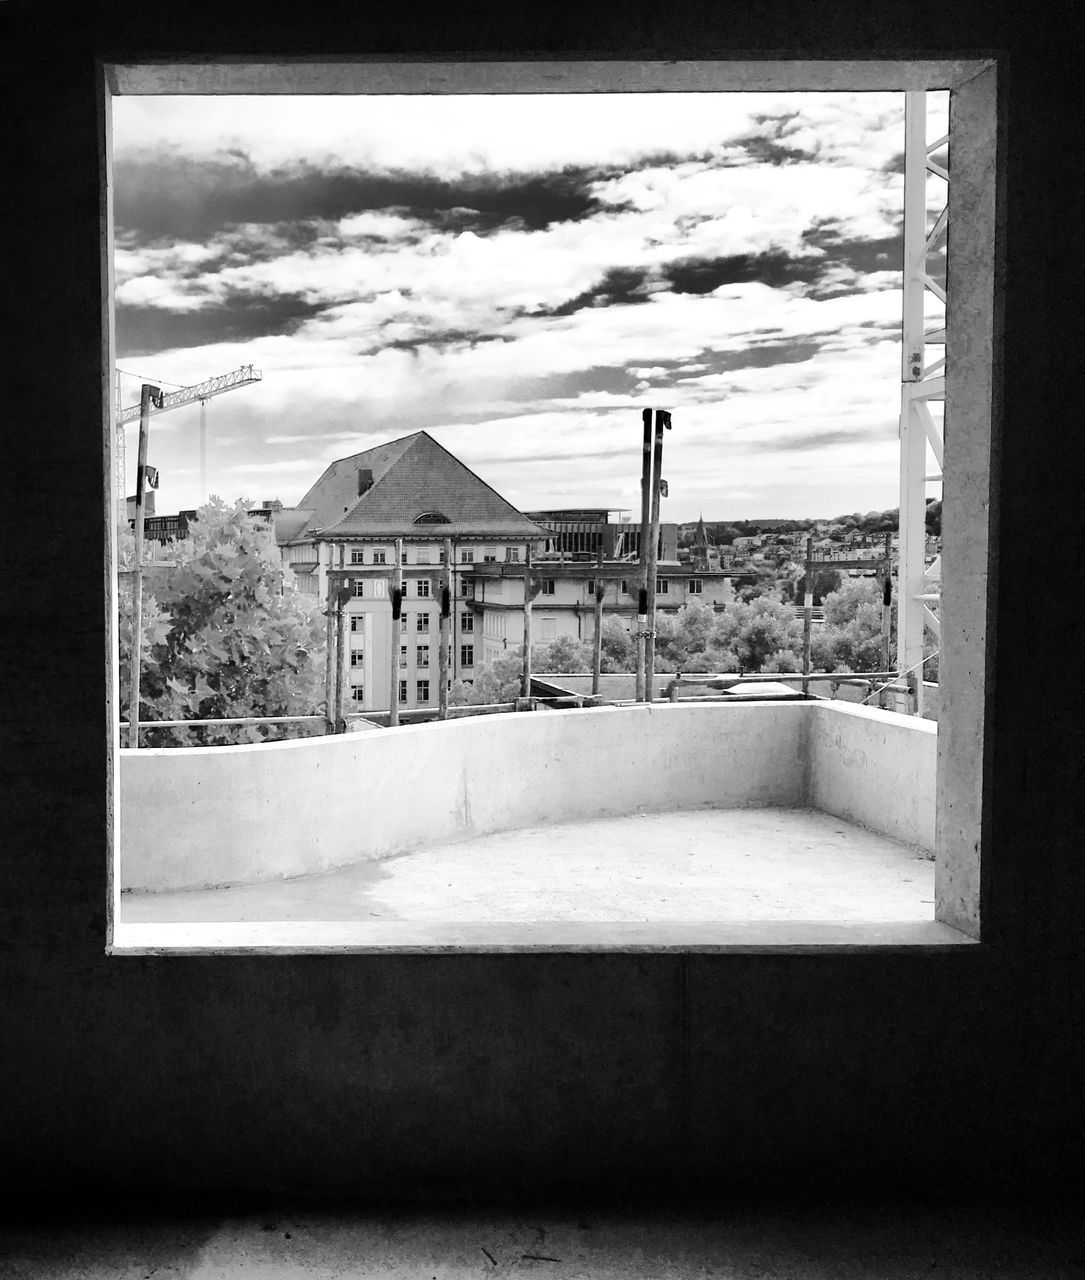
219 637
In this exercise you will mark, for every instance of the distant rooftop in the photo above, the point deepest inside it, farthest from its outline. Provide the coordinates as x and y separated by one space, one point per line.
410 487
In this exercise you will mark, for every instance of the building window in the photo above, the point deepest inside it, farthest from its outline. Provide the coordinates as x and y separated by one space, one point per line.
422 690
625 586
489 555
423 556
469 589
421 655
467 655
359 588
548 586
695 586
591 586
380 557
402 655
357 693
356 657
403 691
423 587
357 557
357 622
422 622
512 555
662 588
467 557
467 622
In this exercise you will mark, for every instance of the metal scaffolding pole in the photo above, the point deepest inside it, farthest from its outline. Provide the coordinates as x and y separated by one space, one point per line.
922 382
148 396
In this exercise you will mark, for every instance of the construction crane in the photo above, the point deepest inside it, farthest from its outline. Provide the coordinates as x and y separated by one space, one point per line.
201 392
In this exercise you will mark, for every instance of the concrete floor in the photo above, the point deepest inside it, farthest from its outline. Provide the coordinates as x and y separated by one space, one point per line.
707 864
736 1243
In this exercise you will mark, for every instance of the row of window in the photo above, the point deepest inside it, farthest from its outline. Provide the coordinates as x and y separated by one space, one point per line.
694 586
422 623
421 655
421 691
423 556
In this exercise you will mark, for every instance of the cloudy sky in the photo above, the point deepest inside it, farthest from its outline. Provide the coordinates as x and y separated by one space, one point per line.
520 276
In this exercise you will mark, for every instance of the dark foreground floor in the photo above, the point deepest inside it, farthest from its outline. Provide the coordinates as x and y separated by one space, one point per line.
747 1243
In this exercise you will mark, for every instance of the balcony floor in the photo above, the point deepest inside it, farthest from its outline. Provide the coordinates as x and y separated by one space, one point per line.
707 864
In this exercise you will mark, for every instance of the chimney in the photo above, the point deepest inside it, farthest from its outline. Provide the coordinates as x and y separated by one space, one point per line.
365 480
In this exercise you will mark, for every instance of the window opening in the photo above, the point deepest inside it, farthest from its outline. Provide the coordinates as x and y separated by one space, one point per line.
744 554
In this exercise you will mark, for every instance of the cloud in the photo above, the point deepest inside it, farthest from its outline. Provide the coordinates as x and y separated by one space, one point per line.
184 197
523 291
143 330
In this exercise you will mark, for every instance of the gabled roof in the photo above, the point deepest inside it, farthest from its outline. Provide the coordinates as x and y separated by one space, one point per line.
412 477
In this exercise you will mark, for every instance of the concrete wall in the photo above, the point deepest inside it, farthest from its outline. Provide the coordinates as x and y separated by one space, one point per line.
569 1075
874 768
228 815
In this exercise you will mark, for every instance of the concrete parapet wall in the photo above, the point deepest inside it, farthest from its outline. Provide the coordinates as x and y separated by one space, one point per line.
875 768
193 817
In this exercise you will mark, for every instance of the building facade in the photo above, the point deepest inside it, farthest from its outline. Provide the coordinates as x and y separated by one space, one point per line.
344 531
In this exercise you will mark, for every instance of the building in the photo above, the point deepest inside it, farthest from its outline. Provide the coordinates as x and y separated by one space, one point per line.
564 605
582 533
414 490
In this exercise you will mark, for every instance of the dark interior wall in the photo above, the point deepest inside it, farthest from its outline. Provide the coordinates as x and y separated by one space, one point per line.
518 1075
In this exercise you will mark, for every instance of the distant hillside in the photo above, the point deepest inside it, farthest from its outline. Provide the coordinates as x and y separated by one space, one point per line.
868 522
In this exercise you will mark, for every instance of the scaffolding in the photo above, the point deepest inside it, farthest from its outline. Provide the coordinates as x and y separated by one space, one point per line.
923 384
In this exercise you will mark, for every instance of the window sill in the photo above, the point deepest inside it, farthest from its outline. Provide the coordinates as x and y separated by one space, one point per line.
307 937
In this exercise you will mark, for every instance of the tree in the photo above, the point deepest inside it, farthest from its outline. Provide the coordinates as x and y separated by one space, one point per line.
762 630
562 655
684 639
618 649
496 681
219 638
851 637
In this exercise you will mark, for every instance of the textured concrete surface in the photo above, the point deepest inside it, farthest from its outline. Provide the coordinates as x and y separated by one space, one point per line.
726 864
552 1074
212 816
778 1243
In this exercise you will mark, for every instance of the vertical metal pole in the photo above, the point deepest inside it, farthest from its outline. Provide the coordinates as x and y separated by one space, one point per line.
146 395
645 518
442 644
397 632
203 451
525 677
342 650
329 646
653 563
807 614
913 436
887 602
597 638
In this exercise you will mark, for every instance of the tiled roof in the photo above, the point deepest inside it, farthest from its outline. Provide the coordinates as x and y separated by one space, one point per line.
289 523
412 476
336 492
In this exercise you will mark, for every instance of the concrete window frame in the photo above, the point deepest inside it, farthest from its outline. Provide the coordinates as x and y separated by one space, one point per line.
973 378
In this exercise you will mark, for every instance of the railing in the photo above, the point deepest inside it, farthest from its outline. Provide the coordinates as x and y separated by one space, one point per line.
195 724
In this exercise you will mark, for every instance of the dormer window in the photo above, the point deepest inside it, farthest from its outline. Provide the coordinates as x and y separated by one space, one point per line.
432 517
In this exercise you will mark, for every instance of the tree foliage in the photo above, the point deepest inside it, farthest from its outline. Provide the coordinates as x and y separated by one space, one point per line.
219 638
496 681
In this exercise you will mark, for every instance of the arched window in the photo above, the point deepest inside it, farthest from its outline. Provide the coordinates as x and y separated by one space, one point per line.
432 517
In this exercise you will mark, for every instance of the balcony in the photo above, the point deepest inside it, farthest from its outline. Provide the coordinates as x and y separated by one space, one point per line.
704 825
